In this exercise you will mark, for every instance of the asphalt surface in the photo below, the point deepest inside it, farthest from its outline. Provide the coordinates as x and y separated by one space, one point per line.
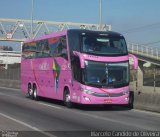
21 116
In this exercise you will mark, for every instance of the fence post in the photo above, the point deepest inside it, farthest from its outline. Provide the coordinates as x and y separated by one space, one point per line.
132 47
152 53
142 49
154 79
146 50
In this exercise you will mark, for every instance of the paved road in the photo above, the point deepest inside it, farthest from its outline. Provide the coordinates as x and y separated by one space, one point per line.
49 118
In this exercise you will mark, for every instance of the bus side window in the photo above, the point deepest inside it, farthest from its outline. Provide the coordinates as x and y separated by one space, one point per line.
39 49
76 68
24 50
42 49
45 49
61 50
28 50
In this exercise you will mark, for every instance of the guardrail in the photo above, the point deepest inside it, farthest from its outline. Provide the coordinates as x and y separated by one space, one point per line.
10 53
146 51
9 57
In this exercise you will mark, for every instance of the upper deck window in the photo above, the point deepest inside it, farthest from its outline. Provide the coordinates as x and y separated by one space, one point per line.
52 47
58 48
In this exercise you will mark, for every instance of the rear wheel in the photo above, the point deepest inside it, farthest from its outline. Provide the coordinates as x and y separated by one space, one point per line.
67 98
35 96
30 91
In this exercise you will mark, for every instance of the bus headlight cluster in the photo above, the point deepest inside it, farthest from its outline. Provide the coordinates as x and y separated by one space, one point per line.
125 92
87 91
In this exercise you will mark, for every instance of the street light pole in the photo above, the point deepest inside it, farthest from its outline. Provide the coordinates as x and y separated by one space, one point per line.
32 18
100 12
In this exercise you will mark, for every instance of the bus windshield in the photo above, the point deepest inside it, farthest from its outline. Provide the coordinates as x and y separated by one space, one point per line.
106 74
103 44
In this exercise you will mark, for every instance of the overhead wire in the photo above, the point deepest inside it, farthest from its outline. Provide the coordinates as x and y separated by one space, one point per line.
142 28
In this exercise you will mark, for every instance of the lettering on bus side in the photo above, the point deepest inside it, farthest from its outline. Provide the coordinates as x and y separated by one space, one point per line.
91 56
44 66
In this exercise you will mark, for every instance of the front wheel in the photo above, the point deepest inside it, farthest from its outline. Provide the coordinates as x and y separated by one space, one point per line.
131 100
67 99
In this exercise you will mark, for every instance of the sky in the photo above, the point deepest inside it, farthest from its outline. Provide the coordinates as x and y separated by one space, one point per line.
137 20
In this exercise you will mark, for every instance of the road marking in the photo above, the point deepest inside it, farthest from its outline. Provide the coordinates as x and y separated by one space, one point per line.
53 106
147 112
114 120
98 117
45 104
12 96
14 89
27 125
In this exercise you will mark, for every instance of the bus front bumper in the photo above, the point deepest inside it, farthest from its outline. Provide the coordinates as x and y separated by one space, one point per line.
90 99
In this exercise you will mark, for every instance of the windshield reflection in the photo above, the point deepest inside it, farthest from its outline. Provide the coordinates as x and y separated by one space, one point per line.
104 45
106 74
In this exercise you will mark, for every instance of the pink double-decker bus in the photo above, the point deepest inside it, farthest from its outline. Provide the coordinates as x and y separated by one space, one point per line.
77 66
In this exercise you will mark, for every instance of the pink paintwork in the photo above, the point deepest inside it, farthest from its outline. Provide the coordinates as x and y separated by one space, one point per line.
41 73
84 57
135 60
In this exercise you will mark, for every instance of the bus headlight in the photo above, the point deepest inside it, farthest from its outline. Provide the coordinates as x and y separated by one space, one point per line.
125 92
87 91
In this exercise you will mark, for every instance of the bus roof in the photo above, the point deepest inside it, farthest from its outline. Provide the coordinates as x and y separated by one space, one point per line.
112 33
53 34
60 33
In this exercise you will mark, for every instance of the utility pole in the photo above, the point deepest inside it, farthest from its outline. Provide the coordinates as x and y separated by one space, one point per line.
100 13
32 10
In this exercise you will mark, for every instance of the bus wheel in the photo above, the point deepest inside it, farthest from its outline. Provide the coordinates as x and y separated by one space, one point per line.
67 98
30 91
131 100
35 96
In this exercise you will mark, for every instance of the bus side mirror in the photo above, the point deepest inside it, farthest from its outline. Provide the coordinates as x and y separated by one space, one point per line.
80 58
133 61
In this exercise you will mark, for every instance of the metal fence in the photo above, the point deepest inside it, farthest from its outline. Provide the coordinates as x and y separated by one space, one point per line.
152 77
12 73
150 52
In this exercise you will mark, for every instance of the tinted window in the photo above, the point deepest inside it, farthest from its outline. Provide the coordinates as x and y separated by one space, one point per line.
59 48
103 45
53 43
46 48
42 49
28 50
74 41
106 74
76 69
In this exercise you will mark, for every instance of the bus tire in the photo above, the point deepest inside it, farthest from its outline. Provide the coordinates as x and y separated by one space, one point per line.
35 96
67 98
131 100
30 91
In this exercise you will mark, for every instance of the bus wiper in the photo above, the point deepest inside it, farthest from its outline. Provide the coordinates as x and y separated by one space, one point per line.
105 77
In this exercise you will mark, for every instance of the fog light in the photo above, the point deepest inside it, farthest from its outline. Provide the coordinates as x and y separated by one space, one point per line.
86 99
126 99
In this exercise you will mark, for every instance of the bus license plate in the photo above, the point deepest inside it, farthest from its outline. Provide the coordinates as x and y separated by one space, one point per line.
108 101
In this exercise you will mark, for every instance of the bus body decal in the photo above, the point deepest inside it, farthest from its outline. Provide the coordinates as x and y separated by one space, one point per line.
34 74
56 72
